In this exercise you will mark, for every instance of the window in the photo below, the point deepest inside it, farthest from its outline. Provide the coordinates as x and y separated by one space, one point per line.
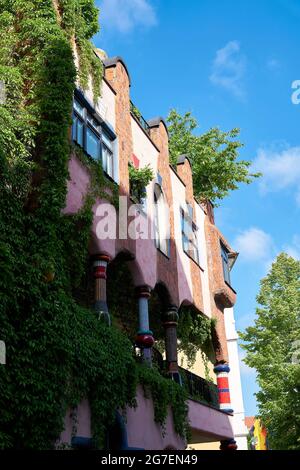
89 134
107 154
225 263
189 234
78 122
92 143
161 222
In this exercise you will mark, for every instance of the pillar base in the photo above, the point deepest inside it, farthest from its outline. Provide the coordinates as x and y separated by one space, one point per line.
102 312
229 444
176 377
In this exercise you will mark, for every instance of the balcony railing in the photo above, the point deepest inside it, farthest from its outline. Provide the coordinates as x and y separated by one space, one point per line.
136 113
199 388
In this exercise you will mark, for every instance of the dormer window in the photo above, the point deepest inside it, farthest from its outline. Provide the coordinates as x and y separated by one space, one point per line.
225 263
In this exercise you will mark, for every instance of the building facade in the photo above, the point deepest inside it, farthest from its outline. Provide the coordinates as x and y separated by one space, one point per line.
238 422
172 249
258 435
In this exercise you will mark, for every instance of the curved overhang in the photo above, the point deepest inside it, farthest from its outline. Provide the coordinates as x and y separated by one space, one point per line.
155 122
182 158
112 62
225 296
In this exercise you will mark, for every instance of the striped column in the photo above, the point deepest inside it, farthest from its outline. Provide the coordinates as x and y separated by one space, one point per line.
144 338
230 444
170 320
100 263
222 370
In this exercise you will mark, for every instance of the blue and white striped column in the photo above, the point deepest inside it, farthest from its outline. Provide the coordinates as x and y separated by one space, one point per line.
144 339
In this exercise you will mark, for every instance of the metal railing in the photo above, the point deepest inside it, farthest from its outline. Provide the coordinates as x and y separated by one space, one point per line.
199 388
136 113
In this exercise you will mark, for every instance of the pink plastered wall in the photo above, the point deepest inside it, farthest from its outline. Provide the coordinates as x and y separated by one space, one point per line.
143 432
82 423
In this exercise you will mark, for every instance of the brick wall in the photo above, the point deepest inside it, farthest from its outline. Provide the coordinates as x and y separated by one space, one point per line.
222 296
166 268
185 173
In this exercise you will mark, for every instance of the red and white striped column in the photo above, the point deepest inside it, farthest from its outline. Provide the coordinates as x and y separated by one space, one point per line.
222 371
100 263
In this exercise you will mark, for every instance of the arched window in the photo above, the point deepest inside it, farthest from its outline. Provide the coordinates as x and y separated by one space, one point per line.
161 221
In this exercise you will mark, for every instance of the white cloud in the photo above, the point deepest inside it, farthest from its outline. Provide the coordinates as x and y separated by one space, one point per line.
254 245
124 15
280 168
229 68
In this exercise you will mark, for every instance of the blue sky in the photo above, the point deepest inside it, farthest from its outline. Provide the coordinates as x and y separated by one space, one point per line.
231 63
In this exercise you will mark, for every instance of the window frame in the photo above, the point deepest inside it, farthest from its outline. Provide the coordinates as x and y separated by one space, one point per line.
187 221
94 123
162 244
225 263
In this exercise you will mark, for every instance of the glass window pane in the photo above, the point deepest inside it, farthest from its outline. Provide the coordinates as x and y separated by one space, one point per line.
182 221
93 122
107 141
80 132
77 130
185 241
109 164
104 159
74 128
92 144
78 108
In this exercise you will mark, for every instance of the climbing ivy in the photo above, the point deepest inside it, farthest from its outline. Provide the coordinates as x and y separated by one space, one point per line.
195 334
79 18
101 187
58 353
139 179
166 394
136 112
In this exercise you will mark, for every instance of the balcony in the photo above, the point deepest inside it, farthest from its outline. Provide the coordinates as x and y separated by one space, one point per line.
207 422
200 389
139 118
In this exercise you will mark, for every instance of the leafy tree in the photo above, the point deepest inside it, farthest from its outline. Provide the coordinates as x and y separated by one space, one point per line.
272 346
213 157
